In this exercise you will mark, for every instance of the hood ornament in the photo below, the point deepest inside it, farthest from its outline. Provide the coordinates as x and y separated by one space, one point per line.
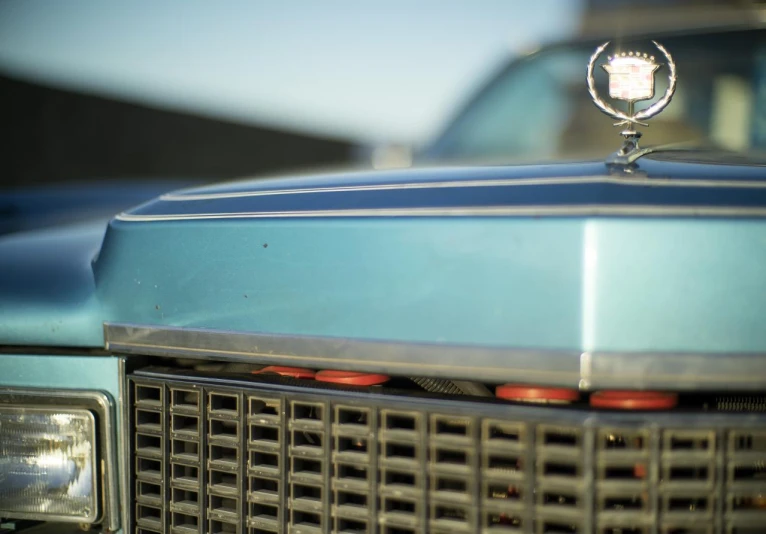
631 78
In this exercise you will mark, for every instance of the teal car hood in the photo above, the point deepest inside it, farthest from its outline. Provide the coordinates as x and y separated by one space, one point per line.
563 257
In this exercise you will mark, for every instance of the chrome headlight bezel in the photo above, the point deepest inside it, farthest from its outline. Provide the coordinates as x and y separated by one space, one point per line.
105 475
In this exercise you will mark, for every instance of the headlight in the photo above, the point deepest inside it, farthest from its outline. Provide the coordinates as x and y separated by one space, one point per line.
48 463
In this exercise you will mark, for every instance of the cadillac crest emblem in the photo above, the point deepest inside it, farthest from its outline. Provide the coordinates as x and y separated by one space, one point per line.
631 79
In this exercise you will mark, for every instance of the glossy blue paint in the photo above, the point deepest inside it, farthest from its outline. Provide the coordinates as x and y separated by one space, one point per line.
48 239
653 183
386 279
47 289
98 373
683 285
682 165
576 283
396 177
559 283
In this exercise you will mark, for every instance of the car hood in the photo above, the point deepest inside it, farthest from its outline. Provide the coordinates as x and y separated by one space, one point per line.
667 186
573 257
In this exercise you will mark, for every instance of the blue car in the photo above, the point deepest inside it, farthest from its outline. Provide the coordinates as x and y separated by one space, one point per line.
549 326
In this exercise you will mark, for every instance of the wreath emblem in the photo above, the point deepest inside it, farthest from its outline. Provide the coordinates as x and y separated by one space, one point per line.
631 78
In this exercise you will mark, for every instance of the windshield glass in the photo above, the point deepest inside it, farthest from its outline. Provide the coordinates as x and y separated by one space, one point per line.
539 108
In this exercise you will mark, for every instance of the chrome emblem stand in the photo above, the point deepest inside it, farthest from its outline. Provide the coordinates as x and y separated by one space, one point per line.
631 78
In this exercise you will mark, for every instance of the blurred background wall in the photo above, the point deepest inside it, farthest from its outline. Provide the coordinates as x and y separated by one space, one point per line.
91 91
50 135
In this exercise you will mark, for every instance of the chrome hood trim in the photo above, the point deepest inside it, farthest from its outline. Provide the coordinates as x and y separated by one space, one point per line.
586 370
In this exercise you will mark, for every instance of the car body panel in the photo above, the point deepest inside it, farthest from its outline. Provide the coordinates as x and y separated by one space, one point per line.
61 371
574 281
47 289
560 283
49 237
681 239
468 191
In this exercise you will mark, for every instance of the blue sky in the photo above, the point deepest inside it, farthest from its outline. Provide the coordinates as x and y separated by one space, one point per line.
366 70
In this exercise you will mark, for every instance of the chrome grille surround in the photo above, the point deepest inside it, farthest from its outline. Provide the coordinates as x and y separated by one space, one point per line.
271 455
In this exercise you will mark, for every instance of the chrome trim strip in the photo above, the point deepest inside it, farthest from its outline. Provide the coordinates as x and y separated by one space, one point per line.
585 371
124 443
340 353
472 211
678 371
103 406
174 197
637 181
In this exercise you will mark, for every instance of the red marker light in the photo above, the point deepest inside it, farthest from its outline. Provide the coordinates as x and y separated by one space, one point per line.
293 372
639 471
351 378
634 400
520 393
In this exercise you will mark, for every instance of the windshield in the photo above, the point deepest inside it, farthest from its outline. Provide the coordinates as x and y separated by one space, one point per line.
539 108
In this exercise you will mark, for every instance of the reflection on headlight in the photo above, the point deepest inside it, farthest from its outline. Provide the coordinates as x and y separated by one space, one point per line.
47 463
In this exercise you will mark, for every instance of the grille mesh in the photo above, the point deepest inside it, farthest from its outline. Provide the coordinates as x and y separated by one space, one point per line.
257 459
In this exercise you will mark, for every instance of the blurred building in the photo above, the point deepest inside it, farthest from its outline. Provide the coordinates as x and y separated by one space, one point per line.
52 135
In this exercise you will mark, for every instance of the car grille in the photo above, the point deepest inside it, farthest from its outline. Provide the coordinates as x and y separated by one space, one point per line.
268 455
